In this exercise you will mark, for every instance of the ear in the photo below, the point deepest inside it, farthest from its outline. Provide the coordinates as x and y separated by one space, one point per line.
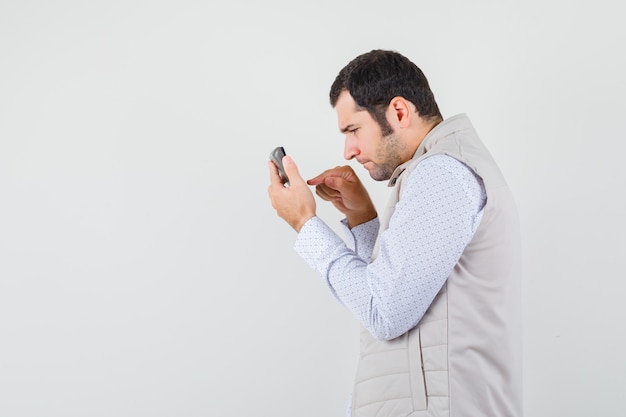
400 111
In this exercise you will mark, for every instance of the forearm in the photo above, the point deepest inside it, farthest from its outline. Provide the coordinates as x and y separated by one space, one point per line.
347 272
390 295
362 238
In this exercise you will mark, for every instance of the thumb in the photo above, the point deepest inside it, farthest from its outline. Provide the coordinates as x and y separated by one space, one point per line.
291 169
346 187
332 182
337 183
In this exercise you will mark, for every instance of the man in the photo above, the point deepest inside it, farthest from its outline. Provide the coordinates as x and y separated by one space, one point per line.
435 281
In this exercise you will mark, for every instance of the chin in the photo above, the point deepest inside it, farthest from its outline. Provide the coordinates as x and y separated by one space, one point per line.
375 171
379 176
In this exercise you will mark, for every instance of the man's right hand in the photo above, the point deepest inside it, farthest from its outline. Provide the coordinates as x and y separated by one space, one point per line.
294 204
342 187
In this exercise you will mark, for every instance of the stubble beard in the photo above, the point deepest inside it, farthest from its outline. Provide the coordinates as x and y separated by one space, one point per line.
390 154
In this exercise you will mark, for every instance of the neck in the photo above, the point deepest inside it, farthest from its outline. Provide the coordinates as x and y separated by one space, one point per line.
421 130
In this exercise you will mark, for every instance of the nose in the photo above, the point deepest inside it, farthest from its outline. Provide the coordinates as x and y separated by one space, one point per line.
350 149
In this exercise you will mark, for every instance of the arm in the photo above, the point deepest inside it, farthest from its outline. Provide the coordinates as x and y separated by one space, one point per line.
433 222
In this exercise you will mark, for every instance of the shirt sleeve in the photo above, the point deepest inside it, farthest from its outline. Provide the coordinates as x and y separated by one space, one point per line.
438 212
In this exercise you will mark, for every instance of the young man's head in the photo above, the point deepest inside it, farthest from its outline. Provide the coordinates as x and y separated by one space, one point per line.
376 77
385 108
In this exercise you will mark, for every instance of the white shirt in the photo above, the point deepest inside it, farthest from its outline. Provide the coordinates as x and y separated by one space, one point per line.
439 210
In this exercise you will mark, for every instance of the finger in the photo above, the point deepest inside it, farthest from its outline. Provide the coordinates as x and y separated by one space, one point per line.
338 184
327 191
317 180
334 197
274 177
322 192
291 169
333 172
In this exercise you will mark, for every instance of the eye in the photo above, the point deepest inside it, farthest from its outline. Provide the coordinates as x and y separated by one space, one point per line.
353 131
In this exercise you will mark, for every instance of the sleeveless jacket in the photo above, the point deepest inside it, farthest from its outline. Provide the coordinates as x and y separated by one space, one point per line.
463 359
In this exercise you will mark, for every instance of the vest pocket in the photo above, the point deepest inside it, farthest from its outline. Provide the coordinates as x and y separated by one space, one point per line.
416 371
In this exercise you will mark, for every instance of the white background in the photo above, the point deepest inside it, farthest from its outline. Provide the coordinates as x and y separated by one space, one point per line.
143 271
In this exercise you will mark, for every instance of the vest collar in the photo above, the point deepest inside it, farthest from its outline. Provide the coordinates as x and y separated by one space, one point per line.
444 128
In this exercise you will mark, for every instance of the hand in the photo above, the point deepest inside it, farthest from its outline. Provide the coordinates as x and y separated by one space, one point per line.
294 204
342 187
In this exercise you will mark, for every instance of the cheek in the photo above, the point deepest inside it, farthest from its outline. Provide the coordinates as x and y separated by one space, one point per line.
376 147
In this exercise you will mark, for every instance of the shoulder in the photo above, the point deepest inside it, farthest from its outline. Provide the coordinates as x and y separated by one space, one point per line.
441 165
441 173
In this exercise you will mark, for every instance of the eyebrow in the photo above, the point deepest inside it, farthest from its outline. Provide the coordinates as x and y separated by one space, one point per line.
347 128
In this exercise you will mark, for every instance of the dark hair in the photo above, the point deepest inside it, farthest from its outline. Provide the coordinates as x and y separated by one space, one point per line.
376 77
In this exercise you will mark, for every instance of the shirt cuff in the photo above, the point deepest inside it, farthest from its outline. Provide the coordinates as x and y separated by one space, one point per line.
361 238
315 244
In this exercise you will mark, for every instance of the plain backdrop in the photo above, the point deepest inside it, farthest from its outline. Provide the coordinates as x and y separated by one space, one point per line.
143 271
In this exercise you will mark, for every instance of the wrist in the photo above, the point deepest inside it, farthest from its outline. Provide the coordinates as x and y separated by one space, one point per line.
360 218
302 221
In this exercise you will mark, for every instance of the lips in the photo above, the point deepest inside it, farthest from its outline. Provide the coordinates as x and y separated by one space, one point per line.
365 165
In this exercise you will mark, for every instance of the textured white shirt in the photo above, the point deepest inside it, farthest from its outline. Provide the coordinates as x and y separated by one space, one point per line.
439 210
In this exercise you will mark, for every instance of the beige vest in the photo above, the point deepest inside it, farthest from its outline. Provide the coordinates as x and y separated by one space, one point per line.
464 357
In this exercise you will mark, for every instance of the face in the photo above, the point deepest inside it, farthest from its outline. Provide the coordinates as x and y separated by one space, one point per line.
364 141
